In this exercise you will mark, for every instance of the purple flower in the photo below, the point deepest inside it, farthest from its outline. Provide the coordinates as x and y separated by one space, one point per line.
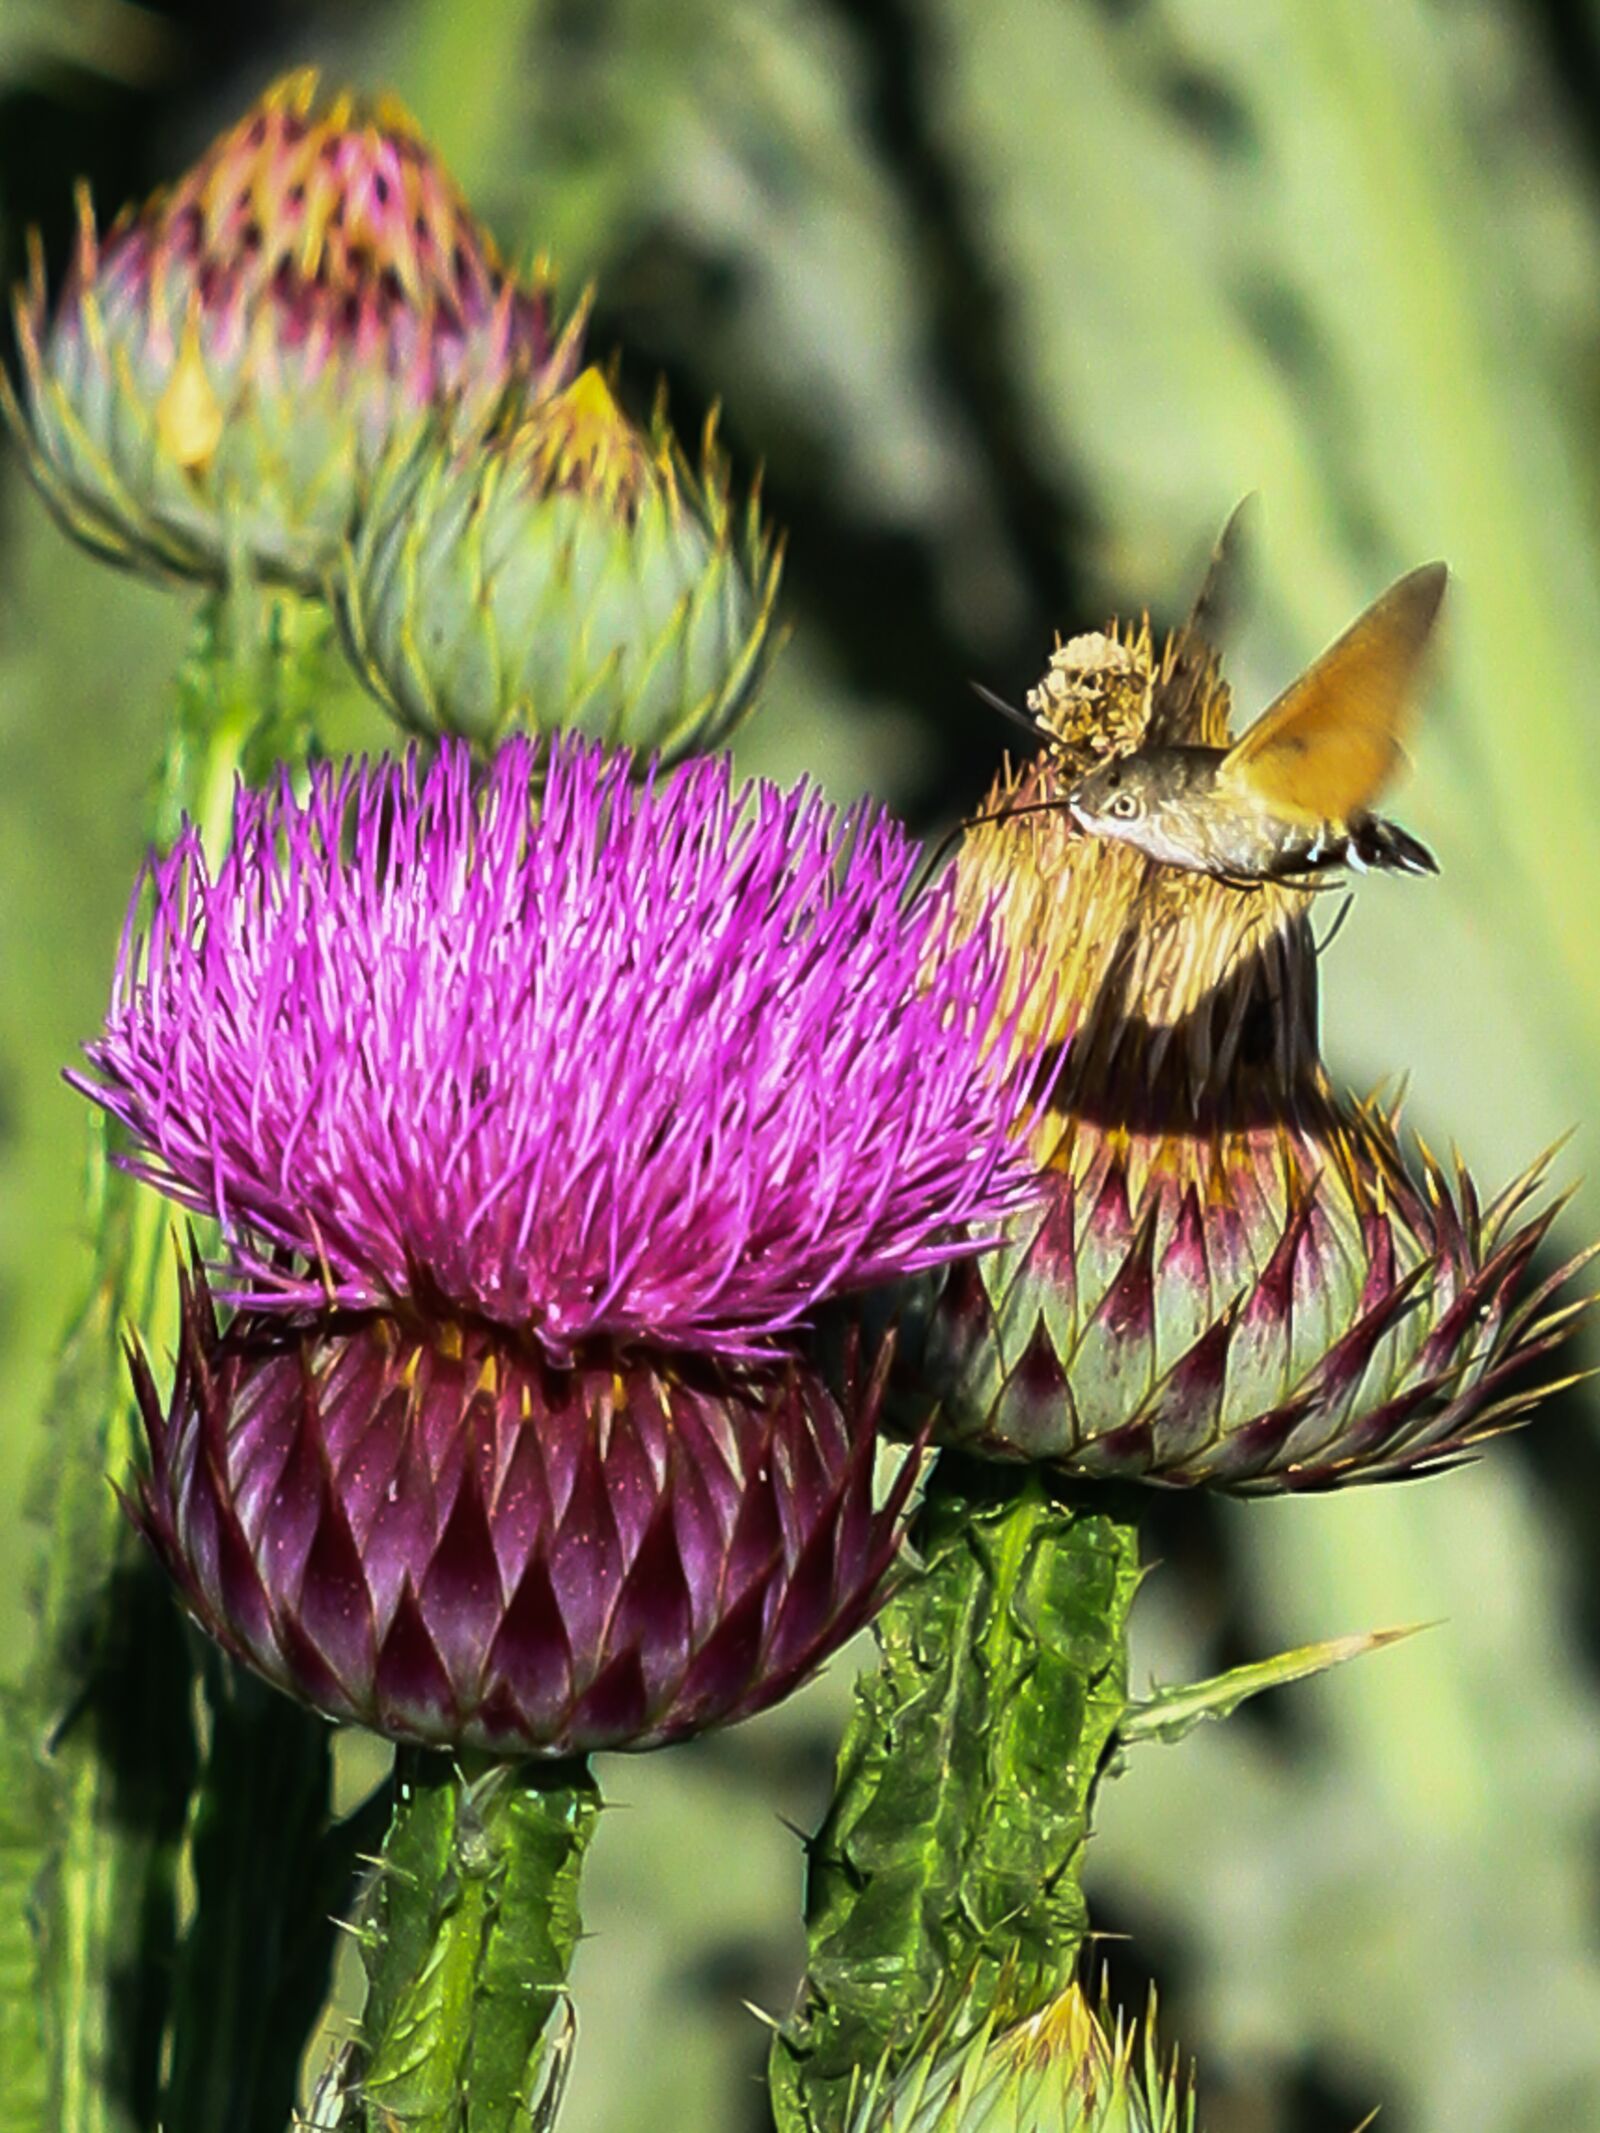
670 1065
539 1110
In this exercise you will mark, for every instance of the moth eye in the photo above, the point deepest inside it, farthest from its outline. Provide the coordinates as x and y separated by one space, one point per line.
1125 805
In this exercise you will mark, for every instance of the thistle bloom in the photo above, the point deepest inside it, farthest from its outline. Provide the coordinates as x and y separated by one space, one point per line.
536 1114
223 366
1233 1276
568 571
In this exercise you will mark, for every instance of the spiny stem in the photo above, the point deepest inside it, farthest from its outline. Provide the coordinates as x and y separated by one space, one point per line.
469 1936
944 1886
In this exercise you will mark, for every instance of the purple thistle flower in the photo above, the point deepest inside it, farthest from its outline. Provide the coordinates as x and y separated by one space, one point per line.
537 1109
589 1062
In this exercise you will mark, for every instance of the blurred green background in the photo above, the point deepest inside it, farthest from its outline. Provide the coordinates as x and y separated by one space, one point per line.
1013 299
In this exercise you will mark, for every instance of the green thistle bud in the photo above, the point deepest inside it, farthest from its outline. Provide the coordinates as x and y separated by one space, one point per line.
224 365
1235 1276
1057 2072
567 572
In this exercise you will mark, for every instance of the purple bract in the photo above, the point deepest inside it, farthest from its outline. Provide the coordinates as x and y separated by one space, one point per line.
545 1048
448 1538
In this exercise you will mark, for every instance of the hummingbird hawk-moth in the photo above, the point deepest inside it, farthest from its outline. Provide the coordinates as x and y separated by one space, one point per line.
1293 797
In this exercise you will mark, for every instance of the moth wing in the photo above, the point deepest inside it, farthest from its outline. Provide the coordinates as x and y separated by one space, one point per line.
1172 701
1331 742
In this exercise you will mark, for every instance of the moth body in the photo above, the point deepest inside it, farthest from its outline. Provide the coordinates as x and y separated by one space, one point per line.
1179 806
1293 795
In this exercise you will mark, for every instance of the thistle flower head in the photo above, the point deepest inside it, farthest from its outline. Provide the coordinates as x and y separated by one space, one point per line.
1234 1276
583 1061
570 570
224 365
537 1107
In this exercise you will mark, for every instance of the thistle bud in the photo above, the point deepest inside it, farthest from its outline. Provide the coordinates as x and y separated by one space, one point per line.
223 366
538 1111
1234 1276
1059 2071
571 571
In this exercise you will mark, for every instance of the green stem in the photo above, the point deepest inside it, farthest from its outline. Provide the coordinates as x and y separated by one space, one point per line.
468 1937
270 1873
104 1716
944 1885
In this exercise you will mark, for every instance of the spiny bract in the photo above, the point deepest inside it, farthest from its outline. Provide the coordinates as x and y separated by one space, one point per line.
568 571
223 366
1233 1276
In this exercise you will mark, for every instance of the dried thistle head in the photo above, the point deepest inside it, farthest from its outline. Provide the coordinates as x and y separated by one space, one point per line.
1236 1276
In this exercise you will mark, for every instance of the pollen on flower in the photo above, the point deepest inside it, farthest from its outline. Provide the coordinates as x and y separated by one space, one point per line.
542 1048
1095 693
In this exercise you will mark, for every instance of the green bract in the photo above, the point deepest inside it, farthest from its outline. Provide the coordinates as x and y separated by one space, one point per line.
1058 2072
568 572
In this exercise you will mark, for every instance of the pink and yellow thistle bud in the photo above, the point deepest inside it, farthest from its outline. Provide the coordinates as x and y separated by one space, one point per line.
569 572
224 366
538 1112
1059 2071
1234 1277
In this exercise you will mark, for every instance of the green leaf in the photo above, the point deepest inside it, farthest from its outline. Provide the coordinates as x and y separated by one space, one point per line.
107 1698
25 1836
255 1962
1168 1714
